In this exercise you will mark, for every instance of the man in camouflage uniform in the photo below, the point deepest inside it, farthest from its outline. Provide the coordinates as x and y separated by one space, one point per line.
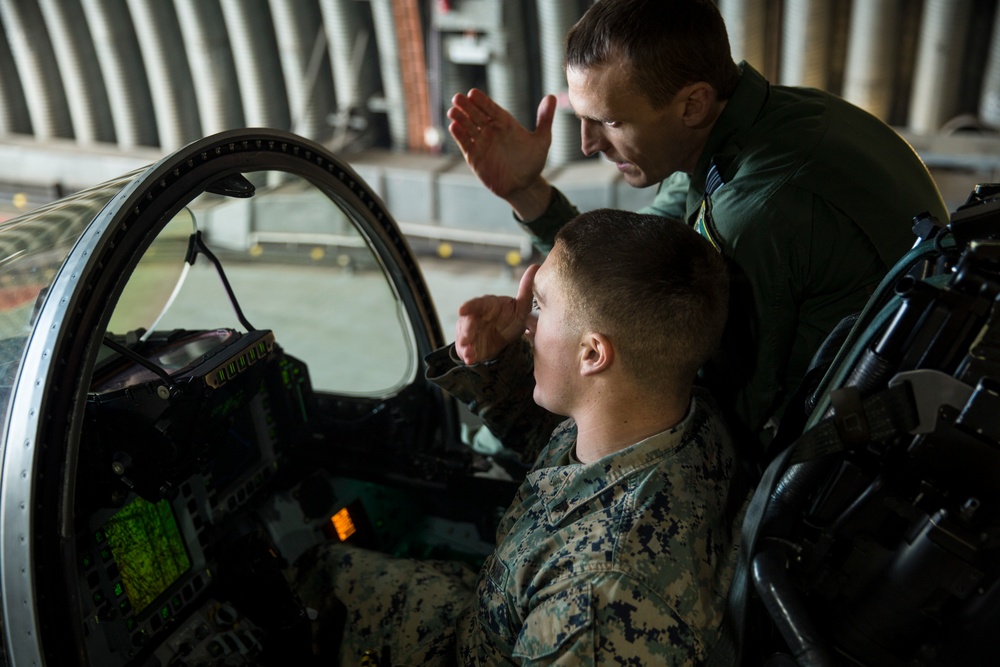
620 545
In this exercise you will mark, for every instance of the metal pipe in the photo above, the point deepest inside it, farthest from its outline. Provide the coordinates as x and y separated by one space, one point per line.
392 82
806 42
746 23
939 58
255 50
213 71
989 101
37 67
167 70
118 55
298 27
555 18
14 117
349 41
508 63
872 52
81 75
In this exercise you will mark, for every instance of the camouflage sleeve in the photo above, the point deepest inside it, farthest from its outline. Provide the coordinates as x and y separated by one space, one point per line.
543 229
500 393
610 620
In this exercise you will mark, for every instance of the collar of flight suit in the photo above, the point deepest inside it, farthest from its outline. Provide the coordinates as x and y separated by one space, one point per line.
739 115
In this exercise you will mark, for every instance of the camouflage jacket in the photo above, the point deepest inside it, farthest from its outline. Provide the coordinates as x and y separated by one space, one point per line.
626 560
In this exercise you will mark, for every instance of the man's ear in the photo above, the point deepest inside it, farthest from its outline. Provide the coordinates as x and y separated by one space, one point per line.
597 354
699 103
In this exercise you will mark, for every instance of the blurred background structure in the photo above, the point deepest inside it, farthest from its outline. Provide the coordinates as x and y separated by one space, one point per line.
92 88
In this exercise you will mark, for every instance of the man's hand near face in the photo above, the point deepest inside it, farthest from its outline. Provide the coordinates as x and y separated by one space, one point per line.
488 324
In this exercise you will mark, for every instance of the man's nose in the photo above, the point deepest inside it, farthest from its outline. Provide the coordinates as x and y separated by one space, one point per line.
591 138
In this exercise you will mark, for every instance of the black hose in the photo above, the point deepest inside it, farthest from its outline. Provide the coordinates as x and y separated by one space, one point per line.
776 591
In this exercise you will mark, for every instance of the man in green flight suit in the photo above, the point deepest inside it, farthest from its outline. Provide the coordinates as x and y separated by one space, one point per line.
809 198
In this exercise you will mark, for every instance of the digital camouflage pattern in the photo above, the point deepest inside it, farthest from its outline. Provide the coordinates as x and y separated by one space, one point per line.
400 611
623 561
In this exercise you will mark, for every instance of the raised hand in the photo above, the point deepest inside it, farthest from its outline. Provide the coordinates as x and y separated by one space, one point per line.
488 324
505 156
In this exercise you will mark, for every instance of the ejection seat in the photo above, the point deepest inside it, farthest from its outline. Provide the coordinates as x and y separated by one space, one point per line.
874 536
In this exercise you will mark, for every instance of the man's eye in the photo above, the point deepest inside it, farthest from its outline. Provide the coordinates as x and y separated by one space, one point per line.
612 123
534 304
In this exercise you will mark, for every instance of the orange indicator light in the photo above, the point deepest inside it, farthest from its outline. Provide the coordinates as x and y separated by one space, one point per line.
343 524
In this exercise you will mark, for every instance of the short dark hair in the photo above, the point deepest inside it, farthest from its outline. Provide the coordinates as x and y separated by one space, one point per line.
654 286
668 44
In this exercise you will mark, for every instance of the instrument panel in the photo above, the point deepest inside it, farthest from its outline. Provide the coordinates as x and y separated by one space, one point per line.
166 499
152 468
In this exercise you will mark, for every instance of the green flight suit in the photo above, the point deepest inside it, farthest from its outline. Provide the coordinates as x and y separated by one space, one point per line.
817 202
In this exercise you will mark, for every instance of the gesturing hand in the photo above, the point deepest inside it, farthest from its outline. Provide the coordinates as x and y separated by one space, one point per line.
505 156
488 324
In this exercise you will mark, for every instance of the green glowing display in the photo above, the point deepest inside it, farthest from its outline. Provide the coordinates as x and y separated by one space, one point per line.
148 548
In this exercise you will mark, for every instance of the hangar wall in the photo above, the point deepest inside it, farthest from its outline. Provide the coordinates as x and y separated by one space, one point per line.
89 88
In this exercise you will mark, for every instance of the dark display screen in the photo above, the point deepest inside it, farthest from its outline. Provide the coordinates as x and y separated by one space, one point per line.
148 549
172 357
239 453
